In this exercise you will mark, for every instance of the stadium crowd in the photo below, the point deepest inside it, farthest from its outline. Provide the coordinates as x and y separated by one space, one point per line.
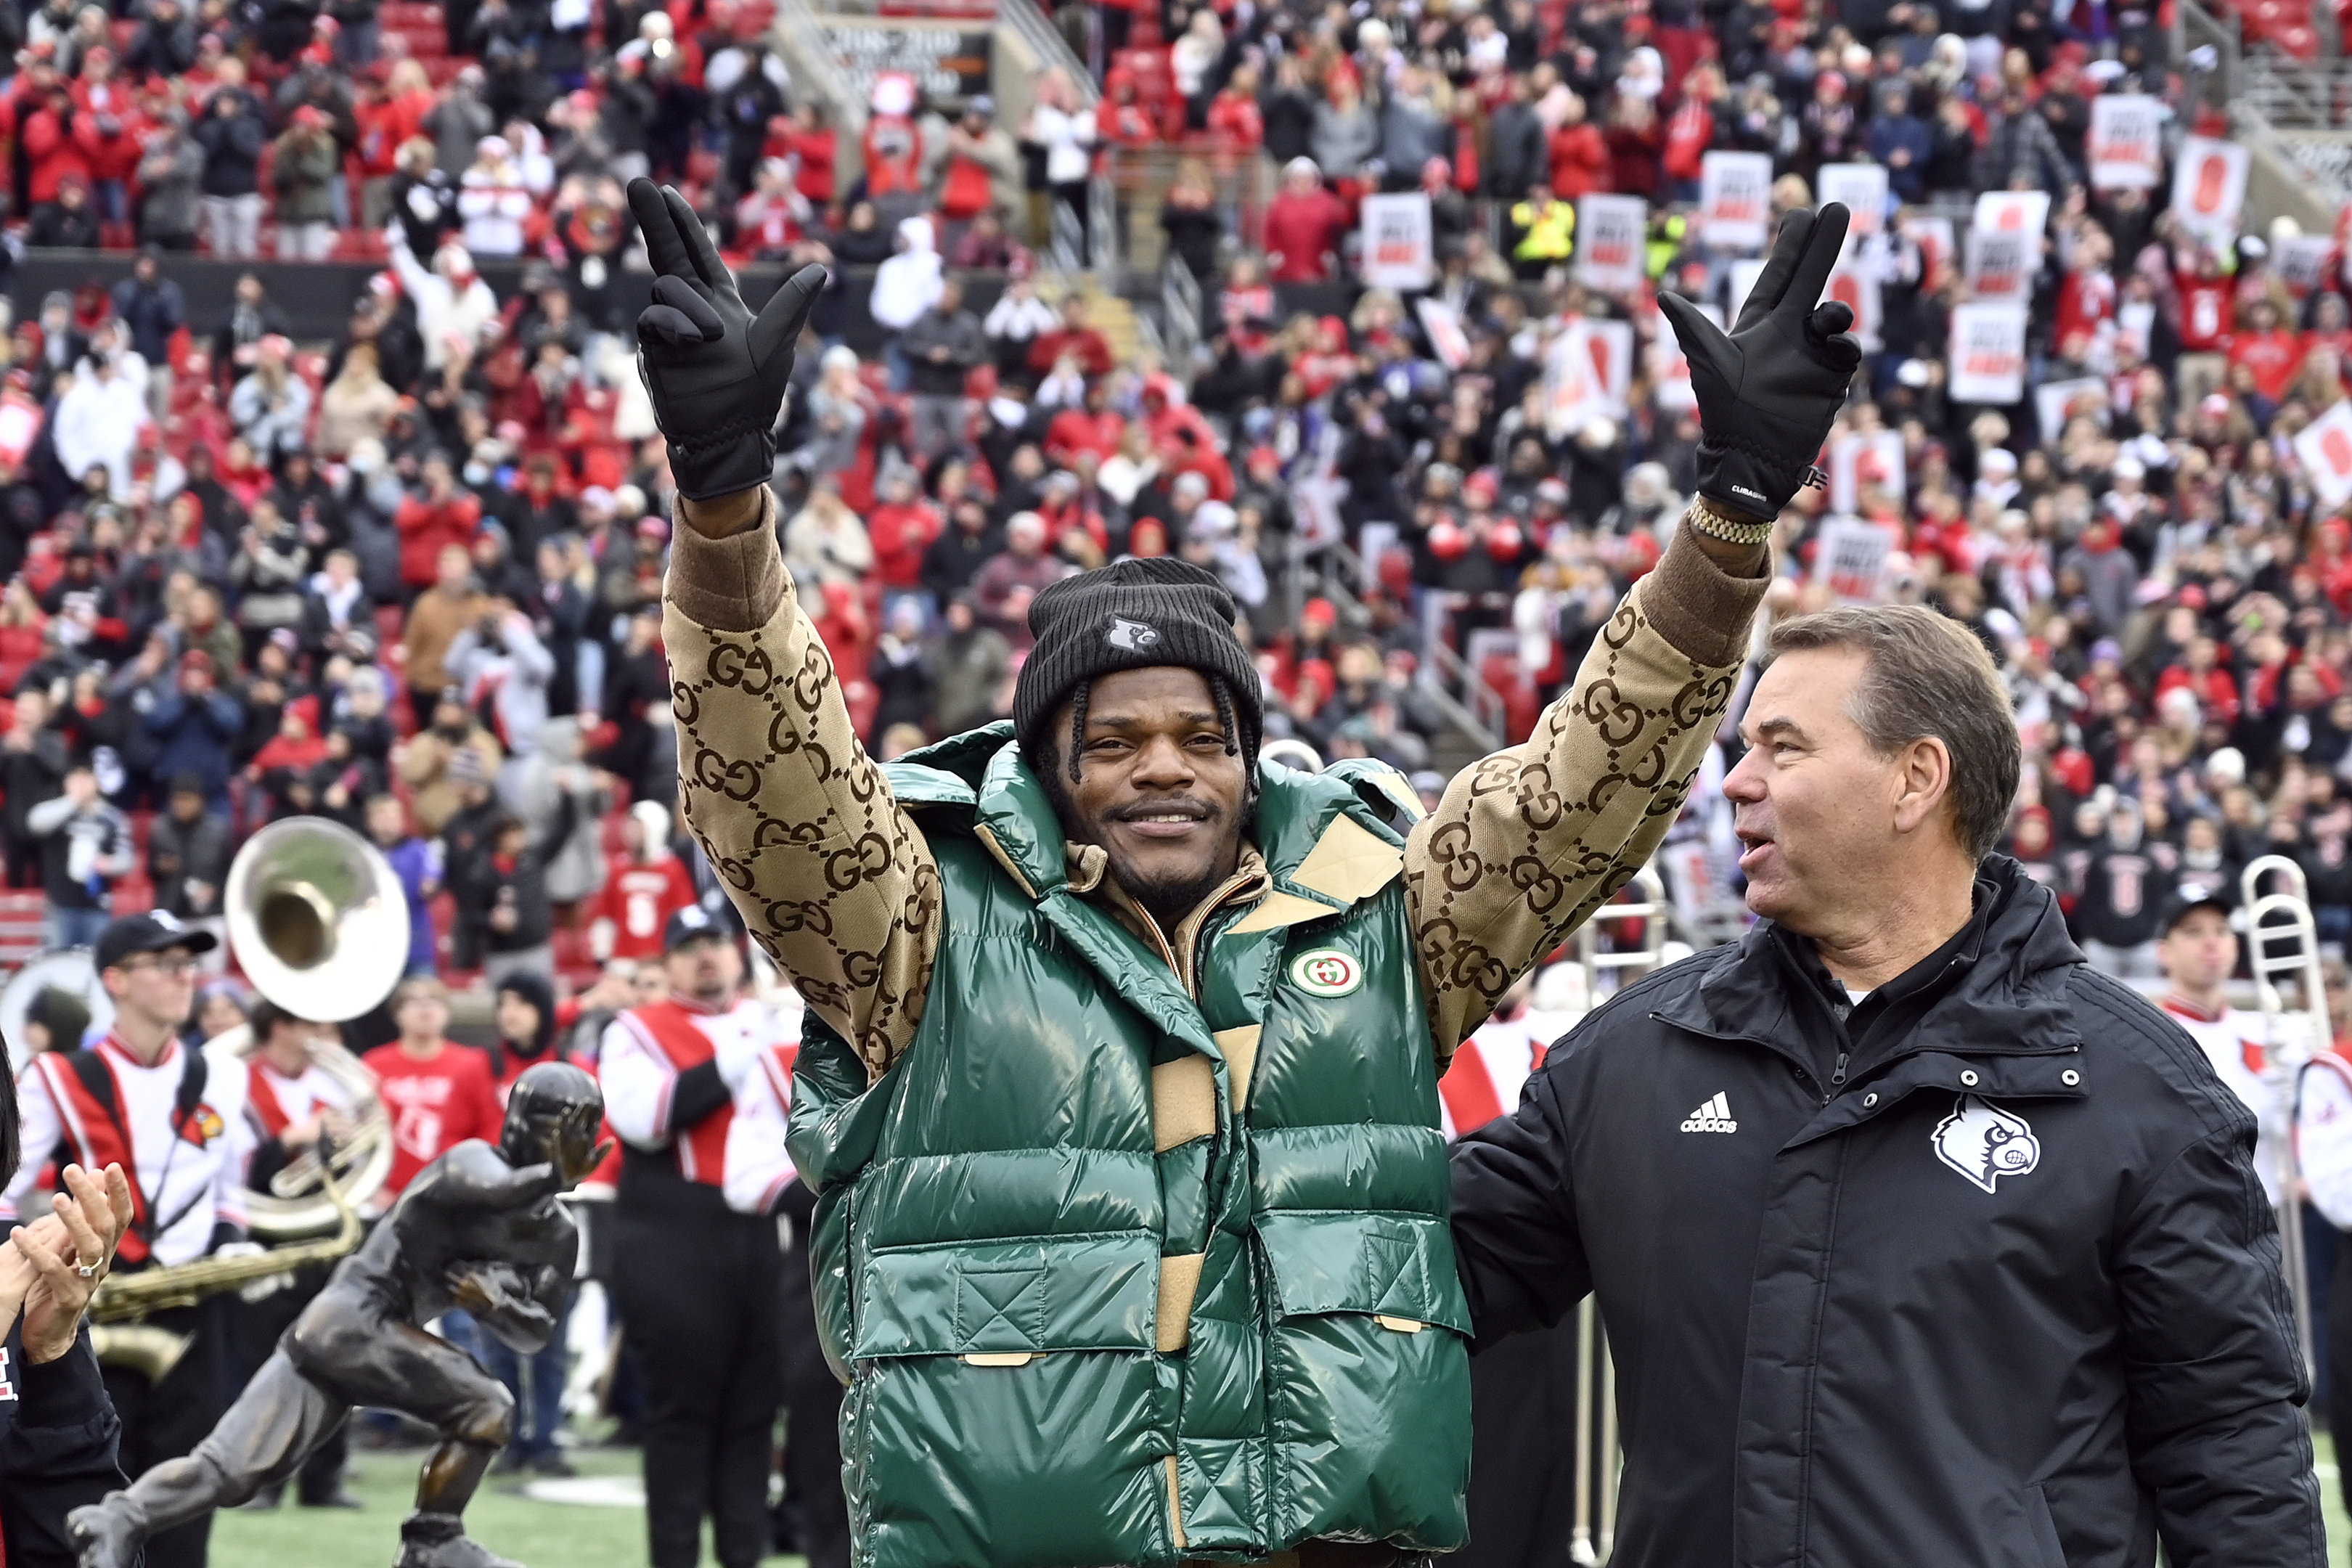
410 577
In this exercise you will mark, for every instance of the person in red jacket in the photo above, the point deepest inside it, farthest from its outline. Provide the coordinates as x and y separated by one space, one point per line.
1304 224
109 128
1692 129
1093 427
812 145
625 920
1579 158
439 1094
1233 116
900 530
2086 295
1073 338
437 515
2207 320
2268 349
50 147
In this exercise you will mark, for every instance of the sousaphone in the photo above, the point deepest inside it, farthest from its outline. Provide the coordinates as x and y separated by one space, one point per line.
319 924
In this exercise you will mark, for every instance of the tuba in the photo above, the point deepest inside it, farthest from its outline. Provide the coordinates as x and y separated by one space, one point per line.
319 924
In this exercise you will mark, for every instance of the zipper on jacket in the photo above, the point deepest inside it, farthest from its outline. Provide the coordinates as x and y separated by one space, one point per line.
1838 1075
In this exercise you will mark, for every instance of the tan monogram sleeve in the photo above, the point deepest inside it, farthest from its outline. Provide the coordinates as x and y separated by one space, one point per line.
830 876
1529 842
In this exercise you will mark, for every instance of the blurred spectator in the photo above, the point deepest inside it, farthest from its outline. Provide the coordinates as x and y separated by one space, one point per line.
500 664
232 134
272 405
502 894
1304 225
33 761
625 920
85 847
188 855
449 764
551 775
196 728
943 346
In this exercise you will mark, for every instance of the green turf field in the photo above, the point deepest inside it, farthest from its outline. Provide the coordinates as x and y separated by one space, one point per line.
537 1533
561 1535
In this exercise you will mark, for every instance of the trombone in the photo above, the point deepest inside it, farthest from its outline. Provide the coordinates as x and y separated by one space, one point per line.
2283 945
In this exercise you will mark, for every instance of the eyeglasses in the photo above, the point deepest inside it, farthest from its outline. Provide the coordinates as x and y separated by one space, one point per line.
170 968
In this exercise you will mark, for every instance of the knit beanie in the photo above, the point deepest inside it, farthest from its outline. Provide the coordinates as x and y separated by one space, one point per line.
1133 614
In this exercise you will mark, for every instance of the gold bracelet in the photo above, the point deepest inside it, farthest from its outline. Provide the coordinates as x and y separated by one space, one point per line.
1715 525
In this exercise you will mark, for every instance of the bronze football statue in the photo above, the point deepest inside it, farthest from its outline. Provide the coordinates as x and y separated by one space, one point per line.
478 1228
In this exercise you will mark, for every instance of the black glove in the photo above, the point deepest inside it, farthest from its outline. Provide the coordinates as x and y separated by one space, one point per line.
717 375
1768 393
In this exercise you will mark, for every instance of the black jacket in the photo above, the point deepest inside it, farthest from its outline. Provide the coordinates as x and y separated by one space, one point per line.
57 1441
2008 1294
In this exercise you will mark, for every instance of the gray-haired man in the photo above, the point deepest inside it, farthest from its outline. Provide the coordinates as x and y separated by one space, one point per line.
1917 1240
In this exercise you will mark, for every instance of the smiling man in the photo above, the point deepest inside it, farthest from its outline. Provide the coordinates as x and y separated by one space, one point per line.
1119 1081
1917 1240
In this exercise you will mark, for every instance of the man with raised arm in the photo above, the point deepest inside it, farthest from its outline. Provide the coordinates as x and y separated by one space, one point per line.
1119 1081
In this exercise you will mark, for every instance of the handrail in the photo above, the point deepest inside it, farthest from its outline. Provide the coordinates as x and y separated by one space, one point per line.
1179 309
795 30
1102 222
1045 41
1482 716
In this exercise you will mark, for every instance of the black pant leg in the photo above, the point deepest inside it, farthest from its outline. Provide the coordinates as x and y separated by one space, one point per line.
1523 1451
681 1279
813 1423
754 1392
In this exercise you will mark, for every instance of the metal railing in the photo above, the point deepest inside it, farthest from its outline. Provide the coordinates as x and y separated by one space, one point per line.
1045 41
1455 689
1180 314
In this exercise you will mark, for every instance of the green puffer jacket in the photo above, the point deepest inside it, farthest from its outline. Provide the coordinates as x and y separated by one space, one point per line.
1121 1276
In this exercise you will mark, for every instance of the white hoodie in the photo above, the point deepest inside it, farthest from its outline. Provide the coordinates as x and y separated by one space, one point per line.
909 283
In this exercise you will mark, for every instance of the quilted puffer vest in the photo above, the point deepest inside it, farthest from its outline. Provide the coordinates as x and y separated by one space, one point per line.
1118 1275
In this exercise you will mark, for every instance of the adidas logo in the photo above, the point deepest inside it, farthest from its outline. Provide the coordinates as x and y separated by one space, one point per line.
1714 1116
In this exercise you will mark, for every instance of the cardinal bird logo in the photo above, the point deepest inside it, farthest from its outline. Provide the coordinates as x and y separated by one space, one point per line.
1984 1142
1133 636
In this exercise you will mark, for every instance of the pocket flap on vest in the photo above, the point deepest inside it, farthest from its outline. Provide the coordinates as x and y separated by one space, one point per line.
1037 1294
1397 1265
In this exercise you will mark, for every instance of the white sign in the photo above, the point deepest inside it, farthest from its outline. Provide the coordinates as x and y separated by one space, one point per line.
1735 199
1987 352
1609 236
2004 245
1850 559
2325 448
1669 370
2209 187
1863 188
1612 346
1933 236
1398 252
1873 459
2126 149
1586 370
2301 260
2053 398
1443 325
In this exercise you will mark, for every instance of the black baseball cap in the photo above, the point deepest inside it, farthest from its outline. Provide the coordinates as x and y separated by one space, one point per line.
2188 899
154 932
694 922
